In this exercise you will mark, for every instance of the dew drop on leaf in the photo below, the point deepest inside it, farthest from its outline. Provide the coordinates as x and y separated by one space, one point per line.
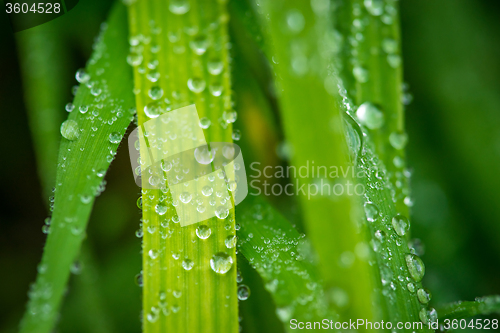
115 137
221 263
415 266
243 292
370 116
203 231
70 130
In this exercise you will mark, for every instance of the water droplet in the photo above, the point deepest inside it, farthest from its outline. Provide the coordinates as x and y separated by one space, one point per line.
415 266
389 46
230 241
82 76
398 140
229 116
203 155
139 202
70 130
115 137
85 199
185 197
84 109
215 67
221 212
153 254
161 208
69 107
424 296
152 110
372 212
166 165
400 224
134 59
179 7
370 116
284 313
221 263
394 60
424 318
216 89
295 21
199 44
205 123
187 264
138 279
236 135
374 7
196 85
360 74
155 93
411 287
243 292
203 231
207 190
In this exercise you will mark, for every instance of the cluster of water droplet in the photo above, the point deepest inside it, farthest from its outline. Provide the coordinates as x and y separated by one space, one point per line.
275 250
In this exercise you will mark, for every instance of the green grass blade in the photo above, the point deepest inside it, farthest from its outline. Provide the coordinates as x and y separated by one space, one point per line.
371 70
285 261
461 310
184 43
83 161
303 44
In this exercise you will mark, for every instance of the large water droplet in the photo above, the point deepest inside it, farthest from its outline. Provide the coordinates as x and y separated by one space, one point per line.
205 123
152 110
115 137
161 208
82 76
203 231
424 296
400 224
196 85
415 266
179 7
372 212
230 241
221 212
187 264
370 116
243 292
155 93
375 7
203 155
70 130
221 263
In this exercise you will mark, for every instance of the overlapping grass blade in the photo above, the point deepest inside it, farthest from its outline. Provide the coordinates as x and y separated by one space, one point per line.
464 309
92 133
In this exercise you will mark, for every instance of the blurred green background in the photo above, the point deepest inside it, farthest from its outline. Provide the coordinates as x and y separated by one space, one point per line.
451 53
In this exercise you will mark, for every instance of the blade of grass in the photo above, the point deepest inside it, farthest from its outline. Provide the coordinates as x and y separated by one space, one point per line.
186 44
105 99
461 310
302 46
285 261
371 72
